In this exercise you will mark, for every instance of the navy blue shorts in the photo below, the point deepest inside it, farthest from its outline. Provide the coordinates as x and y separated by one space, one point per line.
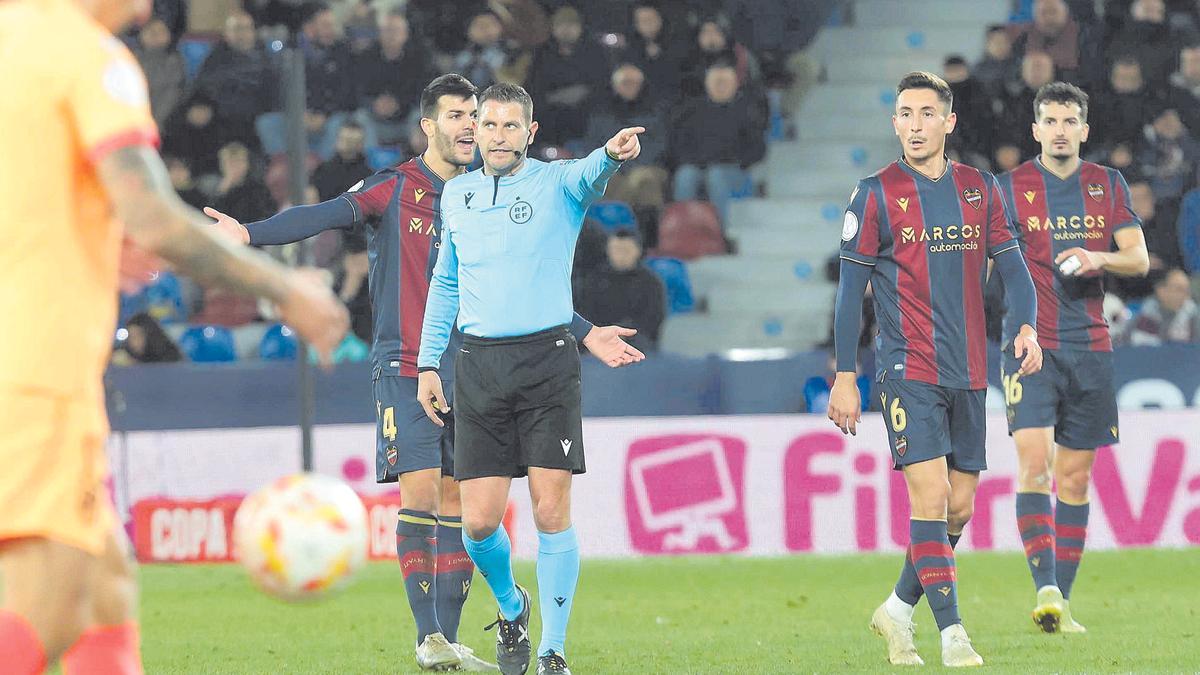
926 421
405 439
1073 393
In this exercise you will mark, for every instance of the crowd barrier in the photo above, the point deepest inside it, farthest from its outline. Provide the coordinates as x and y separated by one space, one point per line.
756 485
191 396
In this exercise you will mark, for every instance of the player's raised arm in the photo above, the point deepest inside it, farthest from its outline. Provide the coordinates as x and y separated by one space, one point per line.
290 225
860 246
586 179
156 219
368 198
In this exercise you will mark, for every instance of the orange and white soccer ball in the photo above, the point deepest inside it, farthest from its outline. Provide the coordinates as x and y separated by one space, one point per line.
301 537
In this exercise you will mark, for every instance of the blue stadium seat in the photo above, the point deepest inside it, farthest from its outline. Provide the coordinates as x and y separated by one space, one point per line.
746 189
816 393
674 275
194 51
278 344
208 344
383 156
351 350
162 300
613 216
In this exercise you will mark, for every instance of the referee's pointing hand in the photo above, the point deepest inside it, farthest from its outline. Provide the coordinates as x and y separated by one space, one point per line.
430 396
625 145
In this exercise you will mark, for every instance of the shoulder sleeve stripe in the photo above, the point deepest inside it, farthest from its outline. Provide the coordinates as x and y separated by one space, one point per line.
1007 246
857 258
124 139
358 215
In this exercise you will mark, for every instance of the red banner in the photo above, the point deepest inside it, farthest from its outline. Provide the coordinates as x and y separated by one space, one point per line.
201 531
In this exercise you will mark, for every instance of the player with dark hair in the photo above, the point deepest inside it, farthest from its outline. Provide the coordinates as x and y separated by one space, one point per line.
921 231
504 273
398 208
78 173
1068 213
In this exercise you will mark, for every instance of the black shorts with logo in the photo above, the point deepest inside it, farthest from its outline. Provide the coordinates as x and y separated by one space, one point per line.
517 405
1073 393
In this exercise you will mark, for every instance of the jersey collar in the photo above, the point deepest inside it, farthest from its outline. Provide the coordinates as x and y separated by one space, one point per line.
914 172
434 179
1037 161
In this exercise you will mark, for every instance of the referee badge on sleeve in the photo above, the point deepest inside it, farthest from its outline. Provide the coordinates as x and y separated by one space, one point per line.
849 226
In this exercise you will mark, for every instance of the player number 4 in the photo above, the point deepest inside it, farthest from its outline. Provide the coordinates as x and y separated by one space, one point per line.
389 423
1013 390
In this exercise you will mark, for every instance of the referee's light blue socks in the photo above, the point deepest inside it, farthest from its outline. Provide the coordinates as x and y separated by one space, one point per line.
557 574
493 557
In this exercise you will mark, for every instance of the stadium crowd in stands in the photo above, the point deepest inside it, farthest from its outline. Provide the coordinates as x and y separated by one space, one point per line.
707 69
1140 60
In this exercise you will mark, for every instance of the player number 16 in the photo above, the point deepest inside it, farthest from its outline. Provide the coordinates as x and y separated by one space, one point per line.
1013 390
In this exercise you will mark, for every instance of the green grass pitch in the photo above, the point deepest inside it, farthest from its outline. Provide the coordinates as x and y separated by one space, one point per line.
694 615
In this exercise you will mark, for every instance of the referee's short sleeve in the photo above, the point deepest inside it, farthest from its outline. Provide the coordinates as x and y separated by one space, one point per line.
860 226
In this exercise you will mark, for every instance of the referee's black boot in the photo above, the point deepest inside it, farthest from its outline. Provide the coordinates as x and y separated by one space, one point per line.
552 664
512 639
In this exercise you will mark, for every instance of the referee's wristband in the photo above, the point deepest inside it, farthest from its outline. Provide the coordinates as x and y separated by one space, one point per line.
612 156
427 369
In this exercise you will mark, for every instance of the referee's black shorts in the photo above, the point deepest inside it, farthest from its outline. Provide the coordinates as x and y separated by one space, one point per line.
517 404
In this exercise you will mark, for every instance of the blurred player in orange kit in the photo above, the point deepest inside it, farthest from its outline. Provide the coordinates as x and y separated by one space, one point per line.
78 171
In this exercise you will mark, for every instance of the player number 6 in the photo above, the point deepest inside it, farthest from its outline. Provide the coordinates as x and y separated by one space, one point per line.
899 417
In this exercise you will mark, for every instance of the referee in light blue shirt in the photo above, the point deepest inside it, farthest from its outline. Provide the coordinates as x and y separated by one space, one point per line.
504 271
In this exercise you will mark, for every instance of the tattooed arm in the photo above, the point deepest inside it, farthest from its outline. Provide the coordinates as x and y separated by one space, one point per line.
156 219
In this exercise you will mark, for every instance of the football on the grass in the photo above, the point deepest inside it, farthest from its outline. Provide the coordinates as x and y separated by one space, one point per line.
301 537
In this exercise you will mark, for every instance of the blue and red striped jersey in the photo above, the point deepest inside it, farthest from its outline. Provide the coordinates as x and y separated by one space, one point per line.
399 209
929 242
1051 215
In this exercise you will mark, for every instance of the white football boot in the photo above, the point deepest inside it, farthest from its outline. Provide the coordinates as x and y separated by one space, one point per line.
957 651
899 636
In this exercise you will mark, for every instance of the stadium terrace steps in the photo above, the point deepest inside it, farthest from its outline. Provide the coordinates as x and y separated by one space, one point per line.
811 243
714 272
881 13
863 158
773 292
879 70
822 217
849 127
697 335
839 98
767 297
950 38
799 183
